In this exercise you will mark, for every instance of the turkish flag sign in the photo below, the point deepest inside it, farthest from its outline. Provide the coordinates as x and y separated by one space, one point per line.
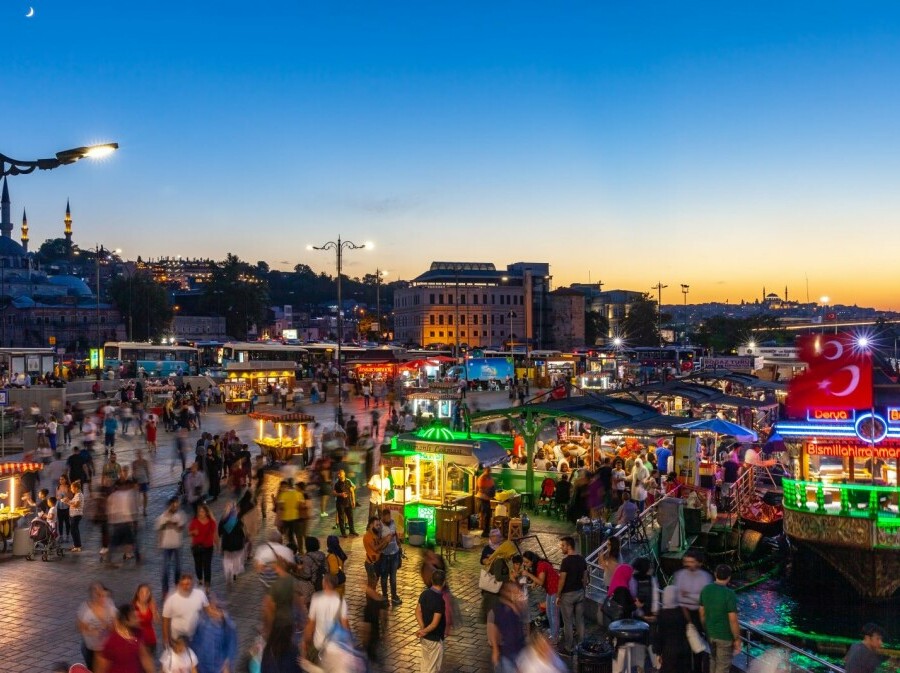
839 375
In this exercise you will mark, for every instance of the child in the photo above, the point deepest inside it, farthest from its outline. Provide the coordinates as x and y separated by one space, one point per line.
51 516
179 658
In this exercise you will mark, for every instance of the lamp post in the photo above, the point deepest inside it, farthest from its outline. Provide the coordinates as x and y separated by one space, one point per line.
64 158
338 246
379 274
659 287
684 291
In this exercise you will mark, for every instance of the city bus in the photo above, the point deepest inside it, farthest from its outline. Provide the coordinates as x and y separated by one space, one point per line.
265 351
208 352
155 359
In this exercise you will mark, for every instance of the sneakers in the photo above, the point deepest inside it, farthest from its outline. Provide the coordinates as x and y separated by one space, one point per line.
396 600
323 514
75 549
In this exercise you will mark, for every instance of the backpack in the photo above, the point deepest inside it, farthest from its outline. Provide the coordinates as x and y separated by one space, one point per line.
645 592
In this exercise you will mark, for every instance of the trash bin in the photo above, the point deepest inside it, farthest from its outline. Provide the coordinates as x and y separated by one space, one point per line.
590 536
21 542
416 530
629 631
594 655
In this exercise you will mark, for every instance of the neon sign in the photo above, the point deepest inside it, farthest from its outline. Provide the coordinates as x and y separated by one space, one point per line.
832 415
845 449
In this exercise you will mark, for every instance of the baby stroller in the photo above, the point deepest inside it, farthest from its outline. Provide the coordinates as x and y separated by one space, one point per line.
43 540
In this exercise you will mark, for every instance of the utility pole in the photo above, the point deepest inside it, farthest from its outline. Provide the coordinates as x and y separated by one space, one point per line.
659 287
684 291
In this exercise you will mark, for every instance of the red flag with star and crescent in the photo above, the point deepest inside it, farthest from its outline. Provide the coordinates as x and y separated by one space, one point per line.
839 375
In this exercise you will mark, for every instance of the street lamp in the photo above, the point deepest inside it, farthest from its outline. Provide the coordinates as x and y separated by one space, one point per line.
379 274
659 287
64 158
338 247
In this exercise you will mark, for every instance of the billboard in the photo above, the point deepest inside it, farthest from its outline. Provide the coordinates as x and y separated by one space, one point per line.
485 369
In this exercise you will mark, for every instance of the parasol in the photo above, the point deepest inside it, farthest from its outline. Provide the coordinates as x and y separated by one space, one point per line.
721 427
775 444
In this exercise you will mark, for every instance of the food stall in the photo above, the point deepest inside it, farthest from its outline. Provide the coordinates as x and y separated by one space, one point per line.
436 403
156 395
291 429
10 496
243 379
431 474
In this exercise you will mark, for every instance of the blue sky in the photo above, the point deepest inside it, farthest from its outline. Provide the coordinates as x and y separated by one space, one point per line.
727 147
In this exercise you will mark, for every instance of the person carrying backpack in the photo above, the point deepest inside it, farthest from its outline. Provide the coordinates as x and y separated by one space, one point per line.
543 574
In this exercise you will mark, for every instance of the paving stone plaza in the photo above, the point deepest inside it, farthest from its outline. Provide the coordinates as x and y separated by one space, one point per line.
42 598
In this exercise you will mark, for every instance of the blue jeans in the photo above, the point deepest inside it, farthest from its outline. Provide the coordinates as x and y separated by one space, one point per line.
571 605
389 563
171 559
553 616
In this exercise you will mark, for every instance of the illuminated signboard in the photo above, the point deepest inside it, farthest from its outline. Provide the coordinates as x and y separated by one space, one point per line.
375 369
832 415
430 448
893 415
888 450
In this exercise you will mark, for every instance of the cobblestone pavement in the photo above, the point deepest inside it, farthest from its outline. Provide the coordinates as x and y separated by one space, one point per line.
37 621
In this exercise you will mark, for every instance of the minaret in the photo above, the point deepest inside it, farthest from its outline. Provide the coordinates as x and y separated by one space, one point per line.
785 294
24 230
68 222
5 220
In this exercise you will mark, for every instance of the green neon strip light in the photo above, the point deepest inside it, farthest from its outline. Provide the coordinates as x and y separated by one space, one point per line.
796 498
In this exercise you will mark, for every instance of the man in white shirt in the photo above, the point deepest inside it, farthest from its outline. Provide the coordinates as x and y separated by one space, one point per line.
326 608
181 610
376 494
170 535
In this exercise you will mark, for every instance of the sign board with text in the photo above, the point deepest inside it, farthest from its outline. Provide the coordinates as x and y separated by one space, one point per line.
728 362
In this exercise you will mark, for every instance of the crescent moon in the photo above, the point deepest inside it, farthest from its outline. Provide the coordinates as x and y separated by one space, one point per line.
854 381
839 349
30 12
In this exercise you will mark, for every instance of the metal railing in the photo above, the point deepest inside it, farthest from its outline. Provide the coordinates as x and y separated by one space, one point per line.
850 500
793 659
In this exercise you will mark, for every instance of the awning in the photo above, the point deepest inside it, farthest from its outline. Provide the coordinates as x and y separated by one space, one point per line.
282 416
489 453
12 469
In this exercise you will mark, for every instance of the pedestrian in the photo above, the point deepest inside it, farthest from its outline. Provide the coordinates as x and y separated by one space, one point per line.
376 494
345 501
327 613
231 535
507 626
63 515
390 556
278 623
140 472
147 614
215 641
121 514
170 526
334 560
194 486
690 582
213 465
718 613
124 651
110 426
289 501
573 578
497 563
431 618
150 433
76 514
181 610
202 530
863 657
485 490
178 657
95 621
542 573
670 644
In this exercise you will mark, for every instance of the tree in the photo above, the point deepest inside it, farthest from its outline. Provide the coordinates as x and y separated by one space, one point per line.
723 334
641 327
236 292
596 327
54 249
142 303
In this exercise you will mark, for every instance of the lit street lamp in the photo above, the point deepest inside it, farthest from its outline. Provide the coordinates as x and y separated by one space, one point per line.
338 247
63 158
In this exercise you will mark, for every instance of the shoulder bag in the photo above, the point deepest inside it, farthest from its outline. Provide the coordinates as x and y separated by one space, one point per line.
487 582
695 640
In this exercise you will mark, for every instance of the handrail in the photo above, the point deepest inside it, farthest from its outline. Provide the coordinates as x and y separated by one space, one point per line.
796 497
747 628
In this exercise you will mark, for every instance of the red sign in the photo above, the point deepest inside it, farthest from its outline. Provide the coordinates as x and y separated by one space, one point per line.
831 415
385 370
886 450
839 375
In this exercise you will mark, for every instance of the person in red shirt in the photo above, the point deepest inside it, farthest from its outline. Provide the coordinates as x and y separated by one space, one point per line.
147 614
124 650
543 574
485 490
203 534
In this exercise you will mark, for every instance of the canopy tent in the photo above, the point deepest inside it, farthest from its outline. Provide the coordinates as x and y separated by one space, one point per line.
720 427
14 469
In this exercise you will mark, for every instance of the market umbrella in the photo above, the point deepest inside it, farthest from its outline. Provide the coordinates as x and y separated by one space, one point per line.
774 444
721 427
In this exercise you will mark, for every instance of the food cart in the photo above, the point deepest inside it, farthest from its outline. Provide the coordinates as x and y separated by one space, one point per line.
291 429
10 494
436 403
243 379
431 475
156 395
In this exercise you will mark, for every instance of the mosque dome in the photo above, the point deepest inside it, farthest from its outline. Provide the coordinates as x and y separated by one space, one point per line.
9 248
73 284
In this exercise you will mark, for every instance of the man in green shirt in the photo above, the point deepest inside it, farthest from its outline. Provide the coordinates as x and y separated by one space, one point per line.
718 613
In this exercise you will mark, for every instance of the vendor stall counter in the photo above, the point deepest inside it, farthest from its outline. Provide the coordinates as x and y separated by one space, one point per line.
11 494
291 429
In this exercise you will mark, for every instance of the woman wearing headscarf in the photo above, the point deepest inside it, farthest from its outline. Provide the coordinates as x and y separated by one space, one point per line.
335 562
231 535
670 643
639 474
498 565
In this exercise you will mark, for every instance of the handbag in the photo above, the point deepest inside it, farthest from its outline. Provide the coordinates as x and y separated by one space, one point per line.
695 640
612 610
487 582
